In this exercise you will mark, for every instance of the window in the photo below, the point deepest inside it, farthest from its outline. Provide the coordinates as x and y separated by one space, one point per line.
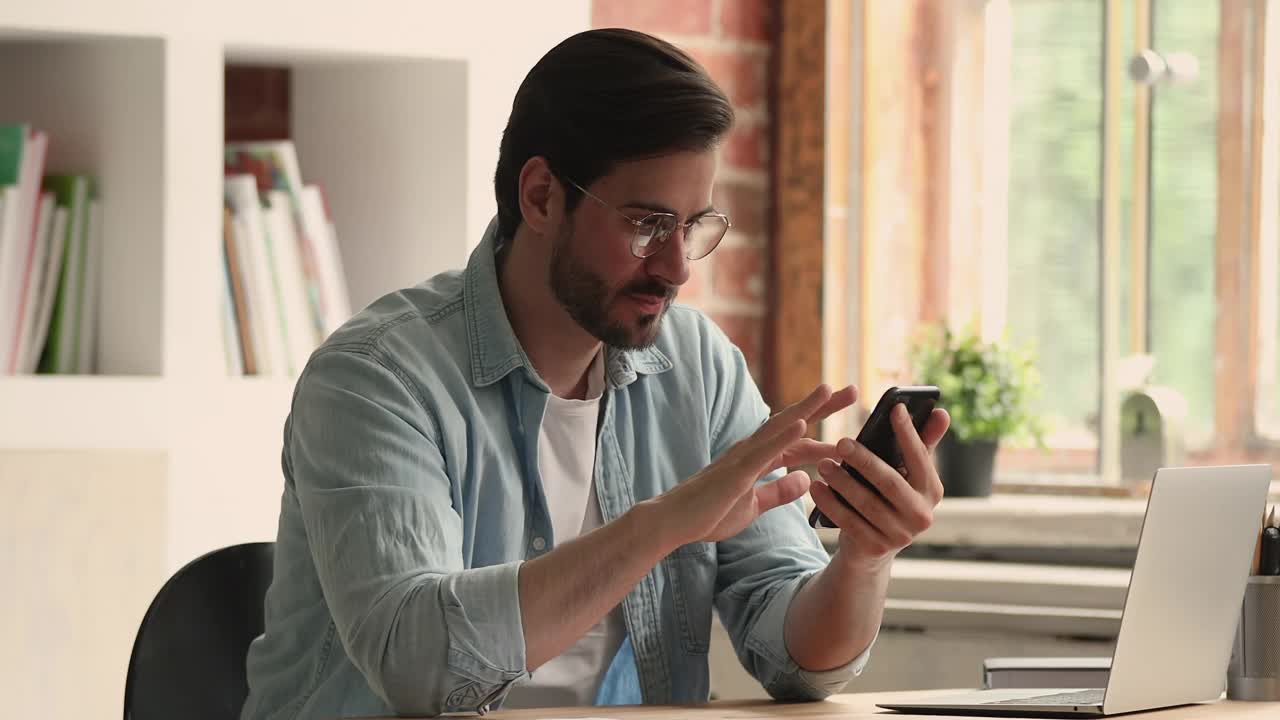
1182 212
1054 203
1074 172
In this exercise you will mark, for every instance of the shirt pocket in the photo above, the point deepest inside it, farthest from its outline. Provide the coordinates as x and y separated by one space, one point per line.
692 570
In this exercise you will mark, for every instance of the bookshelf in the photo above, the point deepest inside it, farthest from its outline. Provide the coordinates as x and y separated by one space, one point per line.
99 98
118 479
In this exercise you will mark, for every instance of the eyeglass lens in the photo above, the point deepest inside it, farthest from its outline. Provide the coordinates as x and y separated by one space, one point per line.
700 238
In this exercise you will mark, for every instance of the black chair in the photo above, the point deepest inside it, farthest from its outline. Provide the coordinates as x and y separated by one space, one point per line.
188 656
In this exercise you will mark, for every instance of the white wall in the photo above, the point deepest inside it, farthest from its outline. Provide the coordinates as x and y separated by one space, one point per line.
109 484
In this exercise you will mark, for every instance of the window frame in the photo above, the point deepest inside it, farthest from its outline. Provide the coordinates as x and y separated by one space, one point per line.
1266 189
1245 427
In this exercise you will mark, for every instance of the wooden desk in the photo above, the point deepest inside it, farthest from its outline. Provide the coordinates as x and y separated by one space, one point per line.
852 707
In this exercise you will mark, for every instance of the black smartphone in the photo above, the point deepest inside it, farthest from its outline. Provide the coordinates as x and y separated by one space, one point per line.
877 434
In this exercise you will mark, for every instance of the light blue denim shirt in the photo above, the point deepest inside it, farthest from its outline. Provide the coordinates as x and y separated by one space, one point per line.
412 497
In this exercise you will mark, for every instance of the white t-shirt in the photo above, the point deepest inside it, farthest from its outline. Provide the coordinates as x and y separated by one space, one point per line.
566 462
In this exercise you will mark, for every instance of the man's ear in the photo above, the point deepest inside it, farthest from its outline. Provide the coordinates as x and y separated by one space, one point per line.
541 198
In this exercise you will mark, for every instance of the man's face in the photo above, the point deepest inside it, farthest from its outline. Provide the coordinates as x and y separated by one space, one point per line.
615 296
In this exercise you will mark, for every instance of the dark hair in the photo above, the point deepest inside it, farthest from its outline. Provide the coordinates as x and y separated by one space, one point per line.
599 98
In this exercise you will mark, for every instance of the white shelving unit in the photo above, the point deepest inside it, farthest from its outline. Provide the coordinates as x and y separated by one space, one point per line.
110 483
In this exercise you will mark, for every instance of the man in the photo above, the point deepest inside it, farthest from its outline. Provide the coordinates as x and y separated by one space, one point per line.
529 482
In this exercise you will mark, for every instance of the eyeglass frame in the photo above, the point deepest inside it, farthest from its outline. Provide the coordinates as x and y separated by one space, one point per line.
639 225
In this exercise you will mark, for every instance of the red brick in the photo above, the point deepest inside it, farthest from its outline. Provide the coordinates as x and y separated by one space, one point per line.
740 73
739 273
746 20
745 332
747 147
257 103
677 17
746 206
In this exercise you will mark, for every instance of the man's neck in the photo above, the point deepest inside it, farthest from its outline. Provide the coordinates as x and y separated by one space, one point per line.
560 350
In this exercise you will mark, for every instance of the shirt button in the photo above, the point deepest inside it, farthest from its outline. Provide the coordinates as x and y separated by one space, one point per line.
539 544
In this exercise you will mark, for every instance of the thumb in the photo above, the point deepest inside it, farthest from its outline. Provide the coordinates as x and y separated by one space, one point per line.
784 490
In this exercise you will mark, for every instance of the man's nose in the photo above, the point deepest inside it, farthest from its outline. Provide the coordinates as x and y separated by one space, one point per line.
670 263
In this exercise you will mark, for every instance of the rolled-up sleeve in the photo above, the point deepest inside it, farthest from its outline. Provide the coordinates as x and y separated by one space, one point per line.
763 649
762 568
429 635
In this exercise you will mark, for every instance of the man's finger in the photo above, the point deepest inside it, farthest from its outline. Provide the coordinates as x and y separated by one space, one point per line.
937 425
767 433
784 490
758 457
840 400
805 451
916 452
839 512
915 456
868 539
885 479
802 409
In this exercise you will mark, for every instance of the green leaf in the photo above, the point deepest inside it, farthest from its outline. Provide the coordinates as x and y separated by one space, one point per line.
988 388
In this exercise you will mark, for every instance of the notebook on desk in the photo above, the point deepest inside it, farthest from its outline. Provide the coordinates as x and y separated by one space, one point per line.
1180 612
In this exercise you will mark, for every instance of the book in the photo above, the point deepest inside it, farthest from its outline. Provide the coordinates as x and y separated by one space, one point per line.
241 194
239 292
274 163
299 326
335 300
10 208
29 287
90 300
48 288
233 355
12 139
60 353
18 245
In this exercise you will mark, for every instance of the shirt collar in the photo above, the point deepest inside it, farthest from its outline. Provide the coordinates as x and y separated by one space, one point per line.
495 350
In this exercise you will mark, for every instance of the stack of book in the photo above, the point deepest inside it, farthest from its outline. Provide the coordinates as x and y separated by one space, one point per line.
49 260
284 288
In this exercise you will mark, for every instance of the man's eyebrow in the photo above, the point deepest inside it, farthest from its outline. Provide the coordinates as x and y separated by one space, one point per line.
659 207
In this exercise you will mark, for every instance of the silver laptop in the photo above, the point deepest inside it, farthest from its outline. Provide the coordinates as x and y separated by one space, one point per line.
1180 612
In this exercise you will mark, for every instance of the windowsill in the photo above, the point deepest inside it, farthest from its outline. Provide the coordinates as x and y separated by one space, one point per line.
1089 519
1006 598
1037 520
1041 561
1069 579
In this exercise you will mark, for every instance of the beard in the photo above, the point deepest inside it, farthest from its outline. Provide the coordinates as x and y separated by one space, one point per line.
589 300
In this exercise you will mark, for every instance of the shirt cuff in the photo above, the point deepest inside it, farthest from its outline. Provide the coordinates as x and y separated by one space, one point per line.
835 679
768 638
486 632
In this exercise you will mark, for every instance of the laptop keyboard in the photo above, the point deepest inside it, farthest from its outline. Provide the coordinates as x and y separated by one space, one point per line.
1092 696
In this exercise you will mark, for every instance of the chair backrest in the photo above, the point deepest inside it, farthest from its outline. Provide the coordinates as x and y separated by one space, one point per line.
188 658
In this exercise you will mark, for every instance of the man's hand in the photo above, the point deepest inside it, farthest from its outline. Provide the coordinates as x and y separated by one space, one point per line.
724 498
880 526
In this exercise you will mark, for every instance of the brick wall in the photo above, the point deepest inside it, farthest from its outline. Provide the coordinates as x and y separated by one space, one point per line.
731 38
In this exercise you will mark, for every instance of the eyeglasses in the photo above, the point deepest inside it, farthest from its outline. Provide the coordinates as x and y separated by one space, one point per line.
701 234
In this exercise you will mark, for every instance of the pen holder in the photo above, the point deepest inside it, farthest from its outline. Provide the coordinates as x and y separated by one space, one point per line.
1254 672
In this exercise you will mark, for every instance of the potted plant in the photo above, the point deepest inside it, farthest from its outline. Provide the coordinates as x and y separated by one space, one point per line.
988 389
